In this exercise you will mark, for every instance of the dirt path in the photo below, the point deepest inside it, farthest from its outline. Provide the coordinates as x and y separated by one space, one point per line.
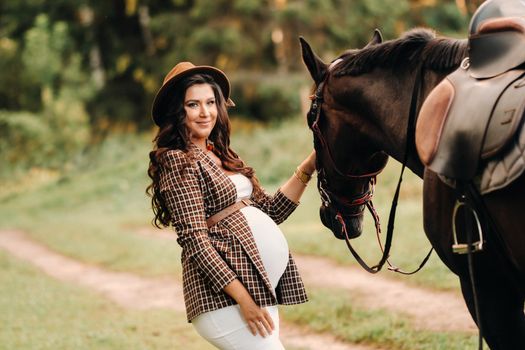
432 310
126 289
131 291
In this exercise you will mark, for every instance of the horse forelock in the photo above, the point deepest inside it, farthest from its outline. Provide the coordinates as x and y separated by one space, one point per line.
416 46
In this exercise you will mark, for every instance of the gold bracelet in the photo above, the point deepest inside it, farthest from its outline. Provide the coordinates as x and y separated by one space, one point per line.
302 176
299 179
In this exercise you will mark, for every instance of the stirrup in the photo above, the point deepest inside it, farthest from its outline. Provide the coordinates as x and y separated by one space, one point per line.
463 248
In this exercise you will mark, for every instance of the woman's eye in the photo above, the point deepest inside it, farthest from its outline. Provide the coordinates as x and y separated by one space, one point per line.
193 105
211 103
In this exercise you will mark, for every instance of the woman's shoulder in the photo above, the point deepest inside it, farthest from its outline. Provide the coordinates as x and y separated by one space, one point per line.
175 155
176 159
176 165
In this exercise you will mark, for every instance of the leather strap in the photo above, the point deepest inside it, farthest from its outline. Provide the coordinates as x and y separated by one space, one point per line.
212 220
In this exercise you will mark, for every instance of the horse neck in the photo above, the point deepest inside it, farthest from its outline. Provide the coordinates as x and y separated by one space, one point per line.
395 131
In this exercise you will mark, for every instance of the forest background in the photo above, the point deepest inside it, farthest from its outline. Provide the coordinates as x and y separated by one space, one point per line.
73 72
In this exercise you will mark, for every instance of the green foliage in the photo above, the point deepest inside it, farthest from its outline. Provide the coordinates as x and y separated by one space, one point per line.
23 140
55 133
213 41
249 7
276 101
347 24
43 50
67 117
15 90
267 98
90 67
224 33
130 46
50 139
446 18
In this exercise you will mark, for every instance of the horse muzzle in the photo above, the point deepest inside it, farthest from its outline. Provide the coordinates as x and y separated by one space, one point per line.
338 223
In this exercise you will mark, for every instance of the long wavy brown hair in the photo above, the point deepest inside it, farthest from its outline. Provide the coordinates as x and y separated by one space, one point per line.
173 135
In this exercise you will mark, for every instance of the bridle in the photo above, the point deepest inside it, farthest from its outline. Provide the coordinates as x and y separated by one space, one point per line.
328 197
354 206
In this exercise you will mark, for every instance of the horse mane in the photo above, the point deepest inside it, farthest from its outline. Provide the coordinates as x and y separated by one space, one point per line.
413 47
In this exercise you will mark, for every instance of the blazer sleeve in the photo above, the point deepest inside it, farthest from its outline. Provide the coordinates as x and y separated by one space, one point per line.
277 206
179 185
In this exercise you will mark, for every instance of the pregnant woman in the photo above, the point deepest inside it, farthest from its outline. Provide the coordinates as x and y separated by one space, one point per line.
235 259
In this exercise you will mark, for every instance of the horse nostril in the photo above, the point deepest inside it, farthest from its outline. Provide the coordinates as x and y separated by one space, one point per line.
353 225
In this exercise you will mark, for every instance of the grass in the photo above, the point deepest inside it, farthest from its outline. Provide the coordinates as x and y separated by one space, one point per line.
37 312
334 312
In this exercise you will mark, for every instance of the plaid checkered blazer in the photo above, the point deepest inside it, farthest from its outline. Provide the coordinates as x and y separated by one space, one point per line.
194 188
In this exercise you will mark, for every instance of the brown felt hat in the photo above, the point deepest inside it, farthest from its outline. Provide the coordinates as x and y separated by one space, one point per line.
182 70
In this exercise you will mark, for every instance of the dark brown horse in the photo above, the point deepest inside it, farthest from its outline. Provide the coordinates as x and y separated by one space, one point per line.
365 103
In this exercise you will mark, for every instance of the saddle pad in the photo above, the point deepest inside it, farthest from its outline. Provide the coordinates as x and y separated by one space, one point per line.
464 119
501 170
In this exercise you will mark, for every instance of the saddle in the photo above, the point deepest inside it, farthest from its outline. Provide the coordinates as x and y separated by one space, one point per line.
471 124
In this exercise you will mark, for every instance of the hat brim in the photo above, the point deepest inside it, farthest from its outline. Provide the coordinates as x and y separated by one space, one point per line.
161 101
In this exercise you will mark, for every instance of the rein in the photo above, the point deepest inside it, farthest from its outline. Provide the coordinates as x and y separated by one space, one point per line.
364 199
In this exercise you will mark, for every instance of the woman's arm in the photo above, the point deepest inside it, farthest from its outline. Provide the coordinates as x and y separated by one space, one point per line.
294 187
258 318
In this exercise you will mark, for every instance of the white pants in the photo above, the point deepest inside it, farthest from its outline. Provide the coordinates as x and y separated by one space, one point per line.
227 330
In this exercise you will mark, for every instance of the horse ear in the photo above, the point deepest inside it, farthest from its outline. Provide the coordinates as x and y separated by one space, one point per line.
315 65
377 38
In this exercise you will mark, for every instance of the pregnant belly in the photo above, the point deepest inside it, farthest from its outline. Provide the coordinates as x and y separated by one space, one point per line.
271 243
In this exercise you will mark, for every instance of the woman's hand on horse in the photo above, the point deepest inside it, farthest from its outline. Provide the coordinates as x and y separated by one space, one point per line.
308 165
258 319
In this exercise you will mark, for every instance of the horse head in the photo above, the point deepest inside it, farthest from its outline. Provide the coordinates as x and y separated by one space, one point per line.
365 107
347 160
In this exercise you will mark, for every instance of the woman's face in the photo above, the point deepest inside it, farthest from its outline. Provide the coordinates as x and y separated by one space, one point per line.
201 111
